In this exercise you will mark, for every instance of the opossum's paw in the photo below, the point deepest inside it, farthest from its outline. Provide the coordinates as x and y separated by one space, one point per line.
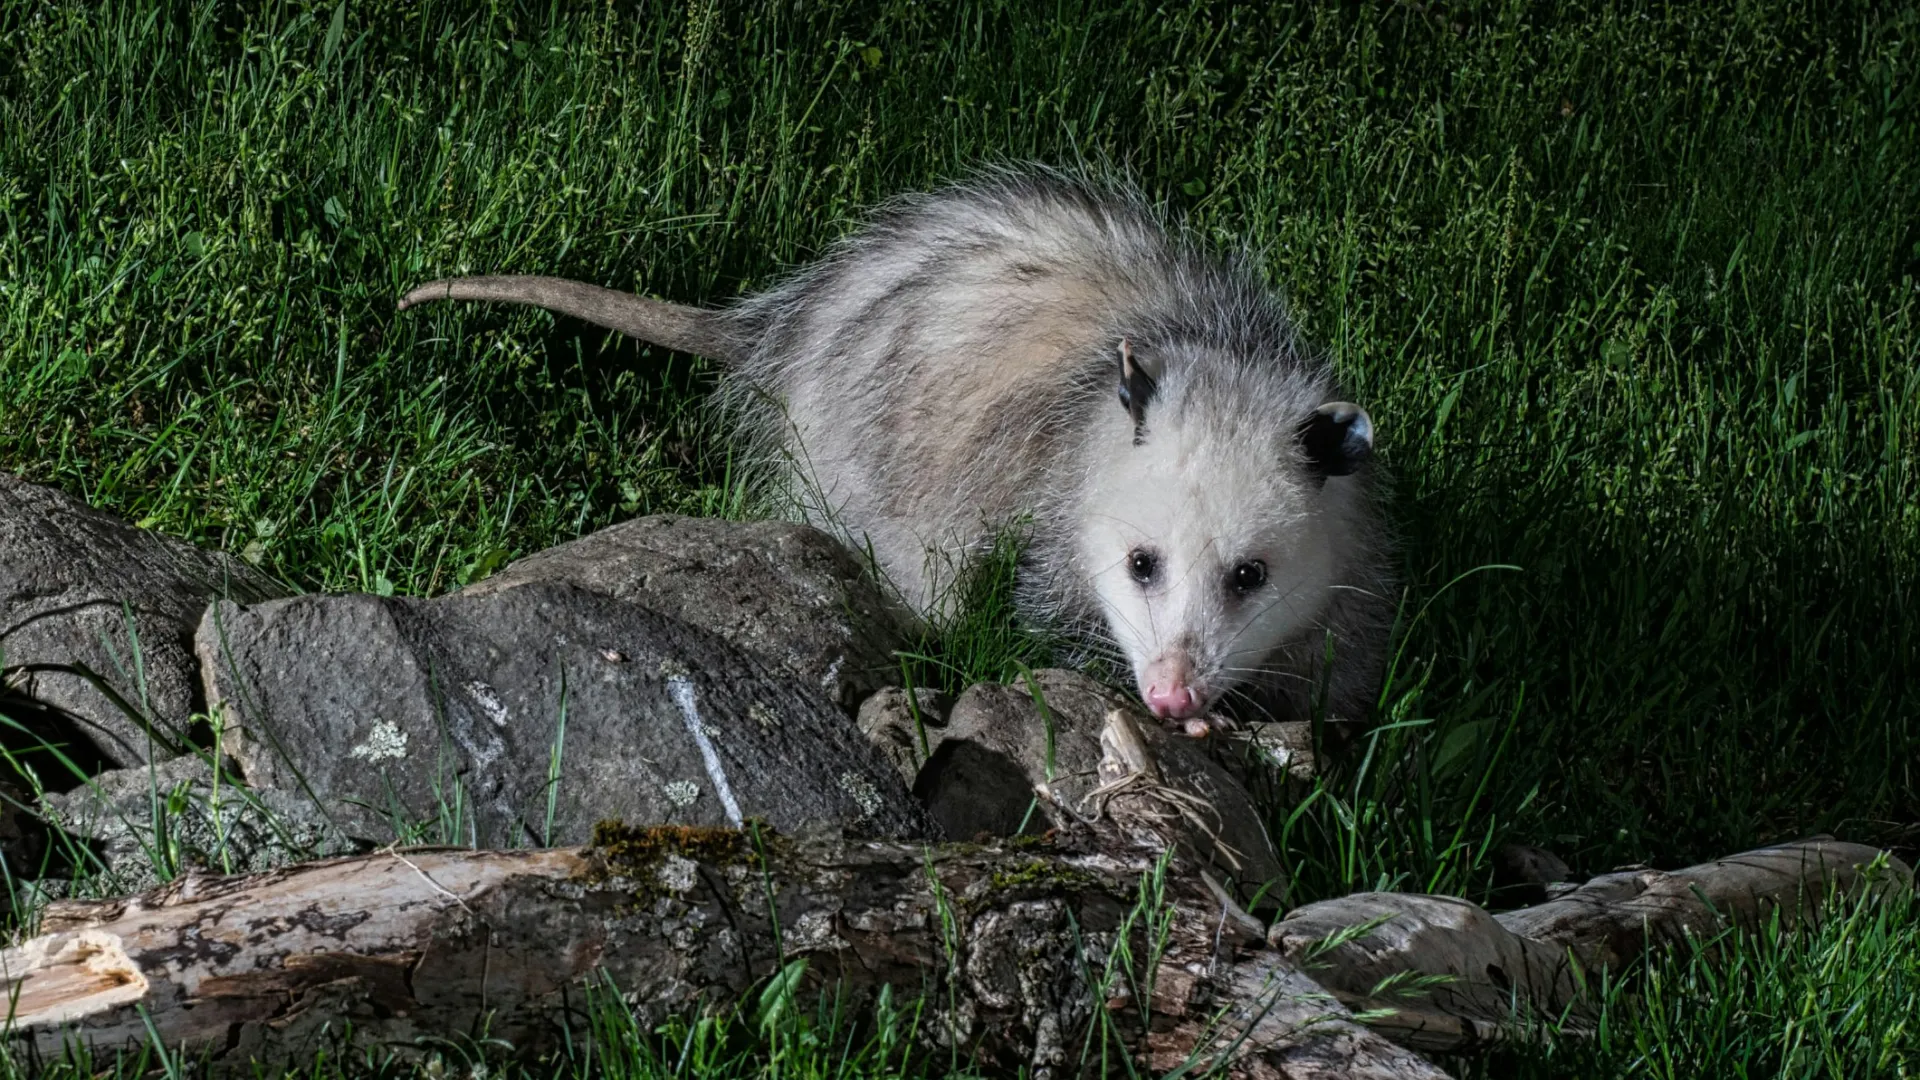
1199 727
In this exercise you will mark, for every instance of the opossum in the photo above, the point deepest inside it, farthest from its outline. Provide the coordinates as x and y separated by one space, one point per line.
1029 346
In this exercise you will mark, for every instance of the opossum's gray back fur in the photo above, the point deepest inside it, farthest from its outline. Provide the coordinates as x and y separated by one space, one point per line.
929 365
932 367
952 366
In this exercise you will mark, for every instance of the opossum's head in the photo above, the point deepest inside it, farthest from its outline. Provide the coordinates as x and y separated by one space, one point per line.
1213 527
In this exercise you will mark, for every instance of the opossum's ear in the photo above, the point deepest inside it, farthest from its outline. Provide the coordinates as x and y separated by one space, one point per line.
1136 389
1338 437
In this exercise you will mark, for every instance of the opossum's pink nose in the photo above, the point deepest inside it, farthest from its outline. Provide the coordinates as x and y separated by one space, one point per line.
1176 702
1168 688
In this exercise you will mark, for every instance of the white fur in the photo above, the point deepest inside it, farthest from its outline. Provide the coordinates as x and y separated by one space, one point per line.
951 368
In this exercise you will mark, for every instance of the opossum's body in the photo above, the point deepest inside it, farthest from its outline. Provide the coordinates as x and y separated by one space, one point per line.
953 367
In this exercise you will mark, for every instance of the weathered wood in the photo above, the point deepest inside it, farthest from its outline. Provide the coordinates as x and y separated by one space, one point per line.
1529 959
1024 950
1611 919
1482 963
1012 945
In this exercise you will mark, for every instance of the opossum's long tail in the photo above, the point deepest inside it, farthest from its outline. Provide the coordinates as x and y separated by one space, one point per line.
699 331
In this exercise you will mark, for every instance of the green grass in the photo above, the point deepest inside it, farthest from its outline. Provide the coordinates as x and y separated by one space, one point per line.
1629 288
772 1037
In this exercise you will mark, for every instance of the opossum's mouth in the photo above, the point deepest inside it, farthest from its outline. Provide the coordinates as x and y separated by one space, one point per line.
1171 691
1202 720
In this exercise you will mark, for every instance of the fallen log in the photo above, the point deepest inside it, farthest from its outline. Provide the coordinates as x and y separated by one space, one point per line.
1019 949
1041 955
1477 971
1109 935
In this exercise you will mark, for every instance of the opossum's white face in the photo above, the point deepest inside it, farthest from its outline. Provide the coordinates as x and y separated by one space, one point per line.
1211 542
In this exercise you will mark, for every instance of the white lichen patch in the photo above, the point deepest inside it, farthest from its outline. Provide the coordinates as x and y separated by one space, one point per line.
813 930
765 717
385 743
862 792
674 669
680 793
678 873
489 703
874 921
1278 756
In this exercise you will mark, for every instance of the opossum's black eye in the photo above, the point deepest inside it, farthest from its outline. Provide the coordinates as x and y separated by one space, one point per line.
1142 564
1249 576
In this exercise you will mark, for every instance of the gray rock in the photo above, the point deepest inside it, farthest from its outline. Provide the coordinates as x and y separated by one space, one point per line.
441 720
1285 747
894 722
998 745
790 594
65 572
227 829
1001 742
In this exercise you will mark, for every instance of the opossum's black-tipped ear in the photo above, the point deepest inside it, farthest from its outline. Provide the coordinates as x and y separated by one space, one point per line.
1136 389
1338 437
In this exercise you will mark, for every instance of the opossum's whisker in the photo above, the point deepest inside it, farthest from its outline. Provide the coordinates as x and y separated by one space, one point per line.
1240 694
1245 696
1263 670
1268 672
1284 598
